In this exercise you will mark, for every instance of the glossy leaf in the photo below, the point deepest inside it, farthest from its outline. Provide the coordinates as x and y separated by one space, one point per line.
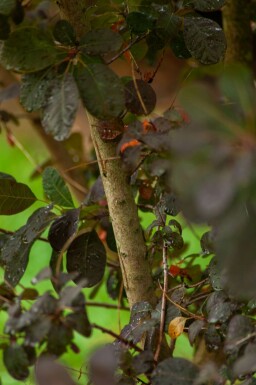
238 329
204 39
60 110
55 188
94 82
64 33
34 91
15 253
175 371
7 6
14 197
29 50
87 256
140 99
205 5
100 41
16 361
63 228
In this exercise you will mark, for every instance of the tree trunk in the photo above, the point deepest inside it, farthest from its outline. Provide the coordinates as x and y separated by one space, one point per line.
135 266
237 27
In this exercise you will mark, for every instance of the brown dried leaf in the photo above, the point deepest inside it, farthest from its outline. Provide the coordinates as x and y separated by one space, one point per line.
176 327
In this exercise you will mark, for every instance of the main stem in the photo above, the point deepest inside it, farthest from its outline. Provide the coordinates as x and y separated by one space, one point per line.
237 27
123 212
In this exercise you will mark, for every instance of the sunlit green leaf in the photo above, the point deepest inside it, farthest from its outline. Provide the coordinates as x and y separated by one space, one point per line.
55 188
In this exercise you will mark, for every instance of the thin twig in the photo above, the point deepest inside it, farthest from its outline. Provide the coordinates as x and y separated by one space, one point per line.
127 48
163 304
85 164
118 337
107 305
189 313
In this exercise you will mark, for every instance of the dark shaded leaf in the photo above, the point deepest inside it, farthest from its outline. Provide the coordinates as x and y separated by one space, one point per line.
79 322
16 361
59 338
245 365
15 253
204 5
204 39
48 371
213 339
87 256
60 110
215 275
175 371
206 242
55 188
239 328
135 95
143 362
29 294
171 204
29 50
7 6
100 41
218 307
171 312
194 330
4 27
37 331
94 83
139 22
102 366
63 228
64 33
14 197
3 175
34 90
179 48
113 283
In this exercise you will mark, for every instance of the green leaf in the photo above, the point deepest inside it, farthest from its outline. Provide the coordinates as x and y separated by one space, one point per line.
64 33
14 197
87 256
175 371
204 39
34 90
7 6
139 22
95 82
204 5
55 188
60 111
100 41
29 50
16 361
15 251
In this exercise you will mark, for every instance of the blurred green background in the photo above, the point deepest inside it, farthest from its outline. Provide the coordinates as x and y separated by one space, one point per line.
14 162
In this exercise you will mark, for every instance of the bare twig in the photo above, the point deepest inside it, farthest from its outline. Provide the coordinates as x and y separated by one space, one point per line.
163 304
107 306
127 48
189 313
118 337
